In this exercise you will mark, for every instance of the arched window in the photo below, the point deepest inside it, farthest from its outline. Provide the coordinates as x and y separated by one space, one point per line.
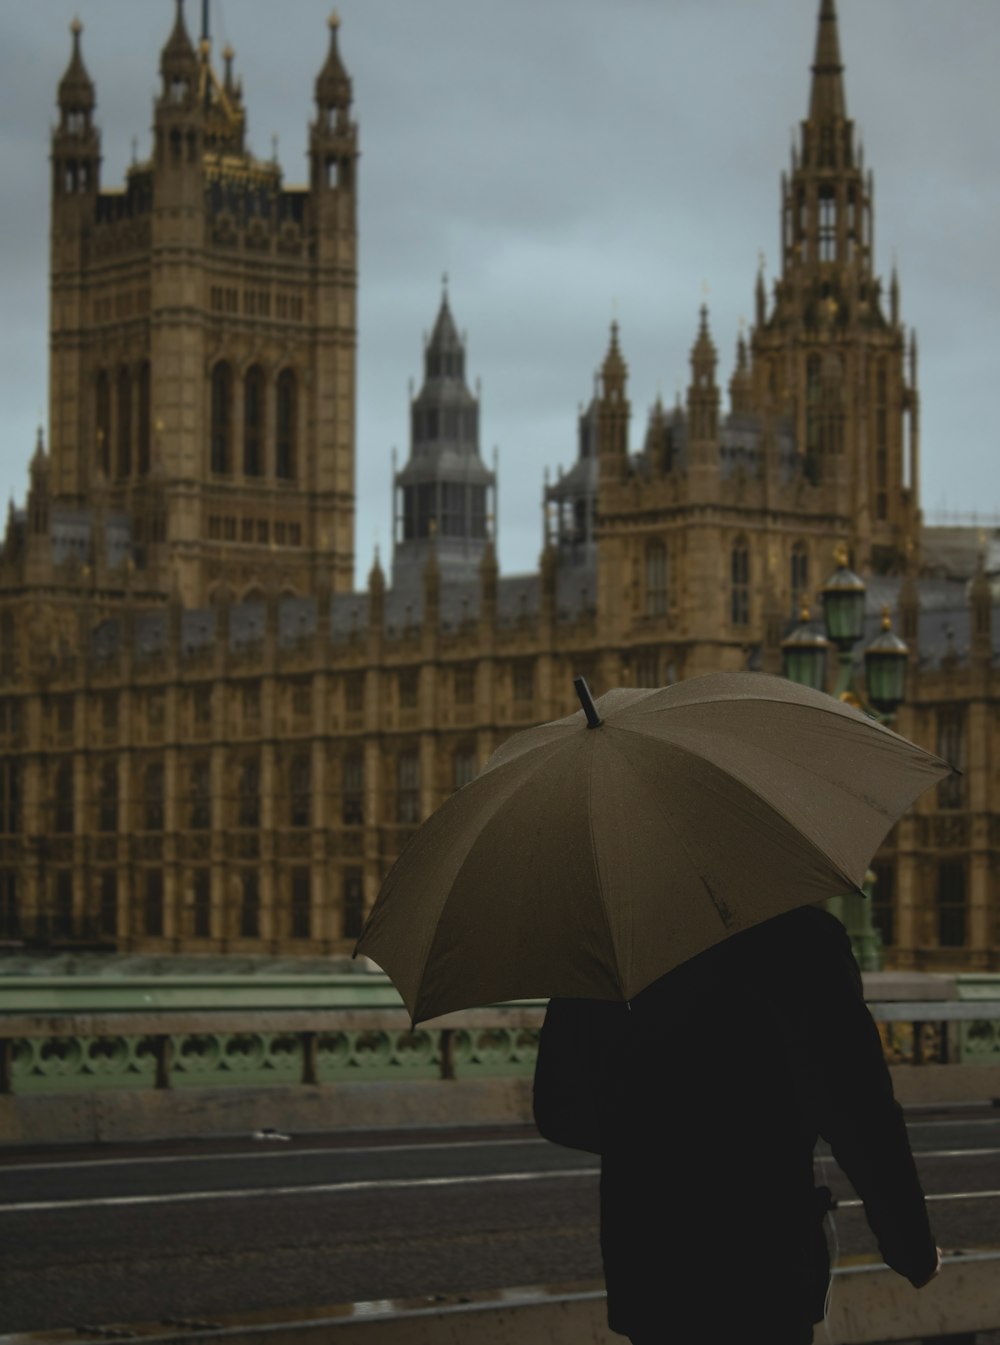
63 791
353 791
300 791
124 423
153 798
144 425
250 906
154 902
813 381
10 797
287 426
408 789
103 418
248 802
222 397
253 422
739 583
8 645
107 798
200 817
799 576
656 579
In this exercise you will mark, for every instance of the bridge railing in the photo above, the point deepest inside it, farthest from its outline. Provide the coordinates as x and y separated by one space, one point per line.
110 1058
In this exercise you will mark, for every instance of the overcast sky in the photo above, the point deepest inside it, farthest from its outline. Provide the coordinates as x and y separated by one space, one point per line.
562 160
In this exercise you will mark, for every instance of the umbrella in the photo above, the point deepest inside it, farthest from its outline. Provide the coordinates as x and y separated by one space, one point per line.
595 853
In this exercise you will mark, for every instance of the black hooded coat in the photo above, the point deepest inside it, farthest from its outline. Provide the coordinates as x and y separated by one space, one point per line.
705 1098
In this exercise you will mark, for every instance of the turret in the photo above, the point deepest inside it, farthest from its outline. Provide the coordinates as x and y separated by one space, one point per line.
613 413
445 490
38 492
740 385
703 393
76 144
177 114
333 149
376 595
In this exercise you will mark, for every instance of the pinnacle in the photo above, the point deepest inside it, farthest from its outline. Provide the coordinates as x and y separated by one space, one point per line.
614 367
333 84
178 49
76 89
826 102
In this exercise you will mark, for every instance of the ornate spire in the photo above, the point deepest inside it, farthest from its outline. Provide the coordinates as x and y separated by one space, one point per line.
826 102
614 370
444 355
76 88
178 54
333 84
740 386
703 353
703 394
228 81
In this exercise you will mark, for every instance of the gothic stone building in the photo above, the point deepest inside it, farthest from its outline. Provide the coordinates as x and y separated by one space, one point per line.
212 743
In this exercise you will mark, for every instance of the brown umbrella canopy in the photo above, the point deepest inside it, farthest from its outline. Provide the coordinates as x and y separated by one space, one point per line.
590 861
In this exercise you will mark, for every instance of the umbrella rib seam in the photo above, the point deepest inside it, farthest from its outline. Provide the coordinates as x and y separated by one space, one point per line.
600 881
835 708
778 812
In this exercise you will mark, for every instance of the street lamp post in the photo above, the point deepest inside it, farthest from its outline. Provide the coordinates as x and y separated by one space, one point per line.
804 660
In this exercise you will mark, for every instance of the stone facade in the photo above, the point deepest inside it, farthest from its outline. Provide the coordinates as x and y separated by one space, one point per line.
213 743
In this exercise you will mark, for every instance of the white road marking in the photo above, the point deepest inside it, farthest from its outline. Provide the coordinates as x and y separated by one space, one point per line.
955 1121
141 1161
325 1188
943 1195
955 1153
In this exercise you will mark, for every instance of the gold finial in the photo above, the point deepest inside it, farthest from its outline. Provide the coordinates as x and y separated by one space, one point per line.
205 46
334 19
886 618
841 555
76 27
227 52
804 614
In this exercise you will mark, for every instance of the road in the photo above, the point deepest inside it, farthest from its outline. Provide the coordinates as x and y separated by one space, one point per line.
133 1233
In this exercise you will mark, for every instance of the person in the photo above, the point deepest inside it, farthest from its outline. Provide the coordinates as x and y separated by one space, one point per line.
704 1097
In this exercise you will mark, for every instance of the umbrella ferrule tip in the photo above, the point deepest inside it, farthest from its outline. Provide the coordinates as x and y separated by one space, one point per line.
594 720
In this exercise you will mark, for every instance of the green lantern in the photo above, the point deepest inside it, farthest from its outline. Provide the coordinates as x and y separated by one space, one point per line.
803 654
885 668
844 604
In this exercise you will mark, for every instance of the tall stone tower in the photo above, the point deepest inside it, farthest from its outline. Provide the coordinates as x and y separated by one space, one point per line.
445 495
203 334
830 350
